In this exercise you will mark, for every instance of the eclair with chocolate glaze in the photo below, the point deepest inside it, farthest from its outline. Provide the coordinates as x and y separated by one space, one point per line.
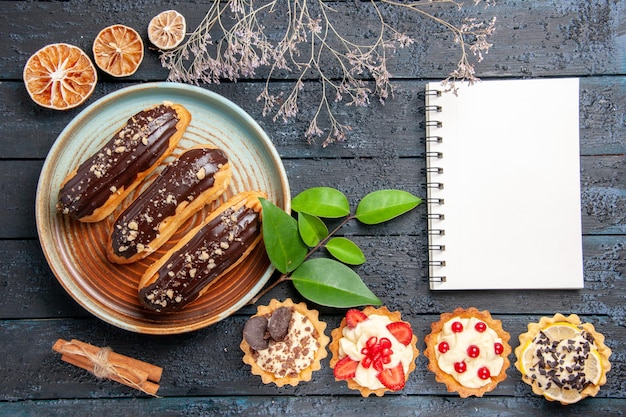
198 177
97 186
204 254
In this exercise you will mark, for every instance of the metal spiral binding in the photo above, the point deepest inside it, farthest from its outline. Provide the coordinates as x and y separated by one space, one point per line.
432 155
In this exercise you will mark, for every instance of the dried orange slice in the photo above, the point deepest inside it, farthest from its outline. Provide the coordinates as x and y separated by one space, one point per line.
167 29
118 50
59 76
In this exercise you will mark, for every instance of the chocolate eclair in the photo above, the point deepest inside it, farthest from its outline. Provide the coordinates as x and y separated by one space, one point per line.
204 254
196 178
97 186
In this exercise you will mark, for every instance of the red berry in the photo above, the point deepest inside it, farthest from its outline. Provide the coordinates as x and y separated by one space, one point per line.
392 378
377 353
401 331
366 362
498 348
443 347
483 373
354 317
385 343
371 342
457 327
345 368
473 351
480 327
460 367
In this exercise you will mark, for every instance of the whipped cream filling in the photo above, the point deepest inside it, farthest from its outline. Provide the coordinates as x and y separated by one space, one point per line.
458 343
288 357
353 341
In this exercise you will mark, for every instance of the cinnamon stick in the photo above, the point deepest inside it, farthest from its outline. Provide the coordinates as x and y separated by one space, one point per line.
106 363
148 387
154 372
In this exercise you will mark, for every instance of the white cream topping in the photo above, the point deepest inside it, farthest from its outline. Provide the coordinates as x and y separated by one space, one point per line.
354 340
290 356
459 342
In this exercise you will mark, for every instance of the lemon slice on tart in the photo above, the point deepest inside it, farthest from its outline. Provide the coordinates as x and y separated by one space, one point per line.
563 359
561 331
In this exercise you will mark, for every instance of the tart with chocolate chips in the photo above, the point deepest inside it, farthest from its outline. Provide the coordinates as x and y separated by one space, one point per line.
563 359
284 342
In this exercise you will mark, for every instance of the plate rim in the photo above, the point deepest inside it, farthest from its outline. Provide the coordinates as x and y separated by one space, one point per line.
42 208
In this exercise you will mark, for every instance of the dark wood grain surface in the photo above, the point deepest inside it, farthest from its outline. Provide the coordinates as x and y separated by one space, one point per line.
203 370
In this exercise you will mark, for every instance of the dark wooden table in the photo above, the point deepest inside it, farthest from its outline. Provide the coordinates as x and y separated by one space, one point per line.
203 371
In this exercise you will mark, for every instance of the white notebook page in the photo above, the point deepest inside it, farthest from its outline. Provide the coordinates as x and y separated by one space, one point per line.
511 186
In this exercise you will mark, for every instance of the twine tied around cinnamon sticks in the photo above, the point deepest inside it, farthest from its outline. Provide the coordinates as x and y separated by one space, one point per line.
104 363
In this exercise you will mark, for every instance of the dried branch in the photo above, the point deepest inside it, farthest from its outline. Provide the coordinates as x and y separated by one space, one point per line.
232 43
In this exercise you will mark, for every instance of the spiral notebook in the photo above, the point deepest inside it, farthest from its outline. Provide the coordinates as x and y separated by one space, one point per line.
503 177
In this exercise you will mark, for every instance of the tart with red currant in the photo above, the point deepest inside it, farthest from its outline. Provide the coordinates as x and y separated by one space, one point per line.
468 351
373 350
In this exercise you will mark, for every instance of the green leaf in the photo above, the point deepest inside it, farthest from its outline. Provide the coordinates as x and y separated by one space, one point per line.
322 202
312 229
330 283
381 206
345 250
282 240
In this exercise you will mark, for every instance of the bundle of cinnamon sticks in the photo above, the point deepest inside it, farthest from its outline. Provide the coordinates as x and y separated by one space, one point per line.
104 363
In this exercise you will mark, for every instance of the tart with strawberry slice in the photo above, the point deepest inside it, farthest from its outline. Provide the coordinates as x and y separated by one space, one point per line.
468 351
373 350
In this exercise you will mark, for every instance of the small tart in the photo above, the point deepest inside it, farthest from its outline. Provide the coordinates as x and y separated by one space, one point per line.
467 351
303 326
344 347
583 358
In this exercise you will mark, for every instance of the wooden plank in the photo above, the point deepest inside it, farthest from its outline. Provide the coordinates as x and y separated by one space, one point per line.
379 130
34 290
541 39
303 406
603 190
395 270
208 362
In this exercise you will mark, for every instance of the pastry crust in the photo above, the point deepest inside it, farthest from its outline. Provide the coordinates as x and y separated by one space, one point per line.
452 384
150 213
533 329
84 187
337 334
306 373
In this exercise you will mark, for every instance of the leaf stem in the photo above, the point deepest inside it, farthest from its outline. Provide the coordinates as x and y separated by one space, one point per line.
322 242
287 276
282 278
